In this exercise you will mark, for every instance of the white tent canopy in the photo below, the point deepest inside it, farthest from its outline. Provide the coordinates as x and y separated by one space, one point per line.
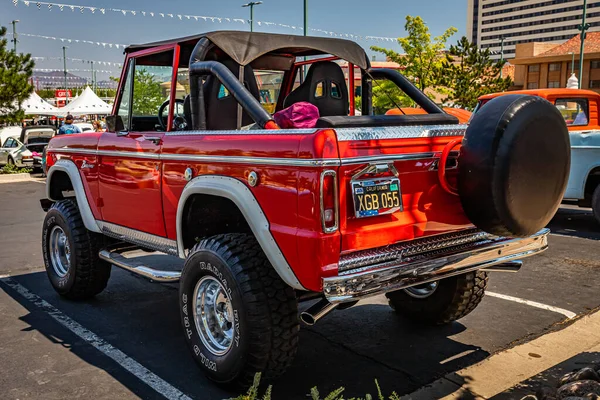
85 104
35 105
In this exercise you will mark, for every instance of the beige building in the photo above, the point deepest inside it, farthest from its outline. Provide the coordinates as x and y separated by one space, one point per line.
526 21
547 65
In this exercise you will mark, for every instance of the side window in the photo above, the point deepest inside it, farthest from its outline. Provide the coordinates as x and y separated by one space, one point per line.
147 86
10 143
574 111
124 106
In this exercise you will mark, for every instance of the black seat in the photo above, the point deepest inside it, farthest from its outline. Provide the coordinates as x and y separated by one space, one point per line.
324 87
221 106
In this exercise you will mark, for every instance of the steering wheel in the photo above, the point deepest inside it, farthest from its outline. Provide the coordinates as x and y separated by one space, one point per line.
179 121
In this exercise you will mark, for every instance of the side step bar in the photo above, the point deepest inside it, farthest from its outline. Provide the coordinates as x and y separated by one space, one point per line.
115 257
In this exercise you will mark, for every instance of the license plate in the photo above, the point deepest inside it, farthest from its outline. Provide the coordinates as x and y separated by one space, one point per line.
376 197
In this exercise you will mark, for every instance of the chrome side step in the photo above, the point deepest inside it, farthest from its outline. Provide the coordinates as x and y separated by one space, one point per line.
115 257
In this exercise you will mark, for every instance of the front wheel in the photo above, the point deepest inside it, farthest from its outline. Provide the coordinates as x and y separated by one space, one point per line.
71 253
238 316
443 301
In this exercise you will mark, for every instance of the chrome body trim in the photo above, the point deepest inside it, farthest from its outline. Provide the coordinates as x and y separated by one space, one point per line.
121 261
69 167
392 276
139 238
242 197
265 132
336 207
399 132
294 162
399 251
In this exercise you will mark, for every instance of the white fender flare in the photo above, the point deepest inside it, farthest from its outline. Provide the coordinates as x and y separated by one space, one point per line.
72 171
243 198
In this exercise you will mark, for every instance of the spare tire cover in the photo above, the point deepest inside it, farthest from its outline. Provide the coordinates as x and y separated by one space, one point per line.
514 165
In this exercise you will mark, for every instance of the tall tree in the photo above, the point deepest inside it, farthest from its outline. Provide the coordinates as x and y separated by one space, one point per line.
423 57
15 72
469 73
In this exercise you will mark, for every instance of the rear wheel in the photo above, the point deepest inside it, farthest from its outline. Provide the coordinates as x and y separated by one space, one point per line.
71 253
596 204
443 301
238 316
11 161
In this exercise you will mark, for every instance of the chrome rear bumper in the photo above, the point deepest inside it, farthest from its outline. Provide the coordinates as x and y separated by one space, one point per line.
396 275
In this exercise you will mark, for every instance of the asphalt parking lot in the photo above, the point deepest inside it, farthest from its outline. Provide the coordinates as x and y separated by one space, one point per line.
138 350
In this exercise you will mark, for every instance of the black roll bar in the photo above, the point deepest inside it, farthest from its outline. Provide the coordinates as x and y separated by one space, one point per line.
406 86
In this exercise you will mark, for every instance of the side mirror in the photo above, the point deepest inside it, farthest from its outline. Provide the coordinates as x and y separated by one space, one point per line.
114 123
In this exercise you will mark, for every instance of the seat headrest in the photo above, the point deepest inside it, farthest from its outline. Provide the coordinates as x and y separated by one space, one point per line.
325 87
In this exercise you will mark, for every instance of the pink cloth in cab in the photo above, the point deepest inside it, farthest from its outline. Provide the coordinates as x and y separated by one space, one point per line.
298 115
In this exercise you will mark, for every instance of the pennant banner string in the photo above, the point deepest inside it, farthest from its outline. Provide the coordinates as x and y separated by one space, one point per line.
204 18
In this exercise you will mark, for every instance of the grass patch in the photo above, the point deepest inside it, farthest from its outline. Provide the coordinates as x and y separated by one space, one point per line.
338 394
10 169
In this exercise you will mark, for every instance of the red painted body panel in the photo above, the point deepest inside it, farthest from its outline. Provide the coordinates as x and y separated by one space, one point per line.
85 141
428 209
130 187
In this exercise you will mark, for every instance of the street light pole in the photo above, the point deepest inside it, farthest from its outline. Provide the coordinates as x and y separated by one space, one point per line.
92 63
305 17
251 5
65 70
14 40
572 62
583 27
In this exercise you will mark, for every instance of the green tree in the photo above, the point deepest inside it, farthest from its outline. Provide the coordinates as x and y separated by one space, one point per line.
147 93
422 58
15 72
386 95
469 73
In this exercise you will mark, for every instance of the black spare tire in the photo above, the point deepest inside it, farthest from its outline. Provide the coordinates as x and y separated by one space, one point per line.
514 164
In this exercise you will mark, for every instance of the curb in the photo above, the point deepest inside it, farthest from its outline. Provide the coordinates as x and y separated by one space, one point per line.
510 367
9 178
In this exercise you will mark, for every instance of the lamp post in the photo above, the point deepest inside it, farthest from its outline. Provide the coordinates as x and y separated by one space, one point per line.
583 27
65 70
572 62
251 5
305 17
14 40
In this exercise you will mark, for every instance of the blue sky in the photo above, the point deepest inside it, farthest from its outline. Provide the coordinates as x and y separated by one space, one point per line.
375 18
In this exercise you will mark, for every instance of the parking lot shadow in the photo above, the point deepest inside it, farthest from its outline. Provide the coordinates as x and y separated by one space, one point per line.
576 222
549 378
349 348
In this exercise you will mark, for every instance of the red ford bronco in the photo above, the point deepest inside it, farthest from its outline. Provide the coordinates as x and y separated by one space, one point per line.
416 207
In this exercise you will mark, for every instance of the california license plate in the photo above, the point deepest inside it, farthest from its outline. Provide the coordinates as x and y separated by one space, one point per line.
376 197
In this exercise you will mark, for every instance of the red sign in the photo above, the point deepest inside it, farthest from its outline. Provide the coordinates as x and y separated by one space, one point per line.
62 93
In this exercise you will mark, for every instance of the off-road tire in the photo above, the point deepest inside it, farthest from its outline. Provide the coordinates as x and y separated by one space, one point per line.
596 204
454 298
265 311
87 274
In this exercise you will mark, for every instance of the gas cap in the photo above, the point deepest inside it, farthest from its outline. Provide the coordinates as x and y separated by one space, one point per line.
253 178
189 174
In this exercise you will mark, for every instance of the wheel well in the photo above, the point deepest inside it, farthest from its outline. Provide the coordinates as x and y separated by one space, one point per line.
60 183
207 215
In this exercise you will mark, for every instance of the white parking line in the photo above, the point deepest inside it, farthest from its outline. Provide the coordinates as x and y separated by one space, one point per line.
137 369
566 313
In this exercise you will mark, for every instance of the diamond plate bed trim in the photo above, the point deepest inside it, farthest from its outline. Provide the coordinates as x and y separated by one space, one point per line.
399 132
350 263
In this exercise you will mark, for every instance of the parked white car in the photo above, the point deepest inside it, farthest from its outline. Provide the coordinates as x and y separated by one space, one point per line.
16 153
84 126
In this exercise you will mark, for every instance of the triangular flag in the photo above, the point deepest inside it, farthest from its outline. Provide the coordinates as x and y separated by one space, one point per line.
15 2
144 13
124 12
49 7
93 9
26 3
179 16
81 9
152 14
61 7
72 8
102 10
132 12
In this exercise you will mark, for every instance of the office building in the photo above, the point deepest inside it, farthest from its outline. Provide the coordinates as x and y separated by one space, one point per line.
526 21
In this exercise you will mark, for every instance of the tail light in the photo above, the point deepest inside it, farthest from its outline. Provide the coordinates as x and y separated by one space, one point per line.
49 160
329 201
26 157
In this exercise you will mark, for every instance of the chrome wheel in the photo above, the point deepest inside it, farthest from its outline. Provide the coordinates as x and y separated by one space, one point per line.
60 251
213 315
422 291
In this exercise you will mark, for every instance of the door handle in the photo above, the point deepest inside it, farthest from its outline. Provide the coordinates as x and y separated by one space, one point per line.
154 139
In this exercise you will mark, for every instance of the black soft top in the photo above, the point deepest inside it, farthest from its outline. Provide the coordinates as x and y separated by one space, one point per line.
245 47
